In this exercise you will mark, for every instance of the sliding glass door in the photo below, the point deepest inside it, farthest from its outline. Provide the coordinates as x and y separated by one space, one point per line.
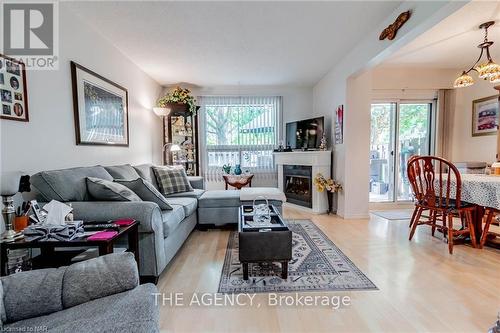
399 130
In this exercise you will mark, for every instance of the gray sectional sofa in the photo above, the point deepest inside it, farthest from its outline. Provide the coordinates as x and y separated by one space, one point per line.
161 232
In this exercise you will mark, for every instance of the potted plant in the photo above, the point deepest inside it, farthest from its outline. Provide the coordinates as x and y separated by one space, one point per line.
331 186
179 96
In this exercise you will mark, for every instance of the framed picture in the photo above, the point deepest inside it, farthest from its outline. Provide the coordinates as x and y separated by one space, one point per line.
485 116
339 125
101 109
13 89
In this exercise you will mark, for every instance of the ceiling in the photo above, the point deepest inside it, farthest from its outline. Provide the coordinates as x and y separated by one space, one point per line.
234 42
453 42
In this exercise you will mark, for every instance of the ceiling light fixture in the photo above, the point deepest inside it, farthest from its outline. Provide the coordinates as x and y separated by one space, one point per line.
487 70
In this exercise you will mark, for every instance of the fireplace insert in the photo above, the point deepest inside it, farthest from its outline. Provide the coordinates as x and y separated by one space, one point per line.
297 184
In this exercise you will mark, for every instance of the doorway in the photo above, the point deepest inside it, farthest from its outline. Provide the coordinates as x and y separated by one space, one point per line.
399 130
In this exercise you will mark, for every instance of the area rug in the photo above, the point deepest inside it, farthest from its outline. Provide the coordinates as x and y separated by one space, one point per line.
317 265
395 214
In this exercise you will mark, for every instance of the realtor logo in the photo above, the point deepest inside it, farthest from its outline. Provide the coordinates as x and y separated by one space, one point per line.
30 33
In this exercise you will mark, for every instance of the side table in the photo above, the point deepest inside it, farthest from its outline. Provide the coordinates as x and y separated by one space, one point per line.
237 181
47 248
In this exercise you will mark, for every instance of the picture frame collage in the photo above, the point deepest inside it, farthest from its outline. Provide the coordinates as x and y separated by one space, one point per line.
13 89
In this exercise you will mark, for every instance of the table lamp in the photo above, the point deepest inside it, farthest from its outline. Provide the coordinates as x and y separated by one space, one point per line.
172 147
10 183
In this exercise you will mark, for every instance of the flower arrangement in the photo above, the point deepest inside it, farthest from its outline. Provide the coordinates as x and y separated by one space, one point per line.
329 184
179 95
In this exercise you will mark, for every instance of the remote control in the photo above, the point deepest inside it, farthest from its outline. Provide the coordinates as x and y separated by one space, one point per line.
101 226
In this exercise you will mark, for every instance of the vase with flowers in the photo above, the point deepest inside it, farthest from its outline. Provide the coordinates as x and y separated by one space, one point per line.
330 186
179 96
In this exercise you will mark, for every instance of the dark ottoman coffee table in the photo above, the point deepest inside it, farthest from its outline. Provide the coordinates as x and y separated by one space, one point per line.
263 243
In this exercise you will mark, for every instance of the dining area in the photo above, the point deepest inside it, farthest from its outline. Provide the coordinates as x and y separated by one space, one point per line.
461 201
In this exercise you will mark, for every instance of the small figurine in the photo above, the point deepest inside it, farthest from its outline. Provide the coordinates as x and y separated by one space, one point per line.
323 143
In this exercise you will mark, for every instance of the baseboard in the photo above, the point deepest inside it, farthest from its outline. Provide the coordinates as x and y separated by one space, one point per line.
354 216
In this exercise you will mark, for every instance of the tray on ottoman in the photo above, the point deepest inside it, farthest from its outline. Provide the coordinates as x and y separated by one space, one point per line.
263 242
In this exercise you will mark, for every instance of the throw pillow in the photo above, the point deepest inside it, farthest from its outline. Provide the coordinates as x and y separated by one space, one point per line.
106 190
172 180
146 191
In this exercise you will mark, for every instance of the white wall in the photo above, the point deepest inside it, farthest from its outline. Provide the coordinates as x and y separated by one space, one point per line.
333 90
48 140
396 78
465 147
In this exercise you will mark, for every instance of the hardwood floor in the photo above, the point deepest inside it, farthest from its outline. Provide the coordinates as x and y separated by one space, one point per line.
421 287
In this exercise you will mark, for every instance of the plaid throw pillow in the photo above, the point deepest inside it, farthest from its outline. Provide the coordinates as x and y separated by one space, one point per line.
172 180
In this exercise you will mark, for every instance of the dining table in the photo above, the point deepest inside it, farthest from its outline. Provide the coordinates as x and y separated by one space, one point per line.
481 190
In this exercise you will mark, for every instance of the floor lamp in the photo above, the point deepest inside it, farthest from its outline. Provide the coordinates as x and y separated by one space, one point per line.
162 112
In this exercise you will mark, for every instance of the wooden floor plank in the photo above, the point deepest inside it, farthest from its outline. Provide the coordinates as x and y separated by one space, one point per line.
422 287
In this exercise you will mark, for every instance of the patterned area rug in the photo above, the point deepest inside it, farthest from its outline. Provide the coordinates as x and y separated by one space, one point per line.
317 265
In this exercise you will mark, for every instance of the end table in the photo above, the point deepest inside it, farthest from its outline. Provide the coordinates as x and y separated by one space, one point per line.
238 181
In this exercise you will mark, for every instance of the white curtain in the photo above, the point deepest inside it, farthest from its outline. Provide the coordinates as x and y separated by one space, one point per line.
240 130
444 125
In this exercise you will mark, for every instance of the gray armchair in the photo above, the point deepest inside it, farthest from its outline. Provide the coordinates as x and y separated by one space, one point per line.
97 295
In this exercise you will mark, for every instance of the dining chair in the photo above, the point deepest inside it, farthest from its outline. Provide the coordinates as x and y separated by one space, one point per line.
437 185
415 210
489 215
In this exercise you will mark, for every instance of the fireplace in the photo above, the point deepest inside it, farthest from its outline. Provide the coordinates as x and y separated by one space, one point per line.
297 181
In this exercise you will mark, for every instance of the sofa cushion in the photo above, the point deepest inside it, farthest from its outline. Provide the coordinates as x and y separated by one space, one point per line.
28 295
172 180
125 171
146 191
146 172
189 204
220 198
130 311
105 190
99 277
171 219
196 193
67 184
271 193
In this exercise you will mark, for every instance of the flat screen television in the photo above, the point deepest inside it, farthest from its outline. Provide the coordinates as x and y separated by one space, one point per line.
305 134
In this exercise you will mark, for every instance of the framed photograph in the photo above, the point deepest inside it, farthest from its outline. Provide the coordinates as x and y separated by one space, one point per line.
13 89
485 116
101 109
339 125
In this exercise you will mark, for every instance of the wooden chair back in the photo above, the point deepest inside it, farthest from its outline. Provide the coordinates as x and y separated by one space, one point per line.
435 182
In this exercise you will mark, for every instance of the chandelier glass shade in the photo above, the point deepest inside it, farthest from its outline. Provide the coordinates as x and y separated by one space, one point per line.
487 69
495 78
464 80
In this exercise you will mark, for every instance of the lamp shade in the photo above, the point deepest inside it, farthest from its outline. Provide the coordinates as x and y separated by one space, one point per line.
161 112
175 147
9 183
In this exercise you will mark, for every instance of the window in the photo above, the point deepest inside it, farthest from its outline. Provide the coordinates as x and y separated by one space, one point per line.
240 130
399 130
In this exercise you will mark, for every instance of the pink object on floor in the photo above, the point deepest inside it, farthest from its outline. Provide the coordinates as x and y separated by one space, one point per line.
124 222
103 235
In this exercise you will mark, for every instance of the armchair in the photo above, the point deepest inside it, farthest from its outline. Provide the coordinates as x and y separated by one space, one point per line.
97 295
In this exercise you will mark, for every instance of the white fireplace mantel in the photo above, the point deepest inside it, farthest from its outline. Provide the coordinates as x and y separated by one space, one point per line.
320 161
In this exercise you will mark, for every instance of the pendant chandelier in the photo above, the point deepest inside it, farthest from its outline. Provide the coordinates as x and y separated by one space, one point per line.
487 70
